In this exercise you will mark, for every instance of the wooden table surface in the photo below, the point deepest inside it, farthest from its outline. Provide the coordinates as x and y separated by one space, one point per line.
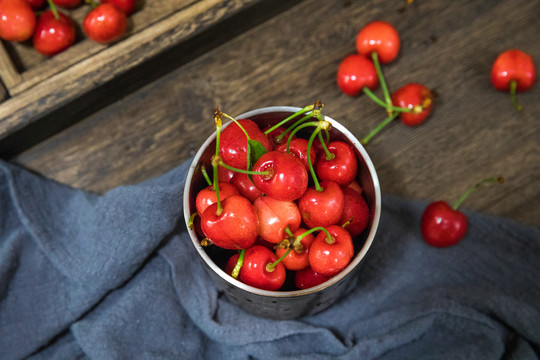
145 124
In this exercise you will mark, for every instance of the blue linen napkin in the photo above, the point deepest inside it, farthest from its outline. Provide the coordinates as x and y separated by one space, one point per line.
115 277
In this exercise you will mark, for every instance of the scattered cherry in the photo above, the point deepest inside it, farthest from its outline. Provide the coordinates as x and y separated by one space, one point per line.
443 225
355 73
378 37
415 97
513 71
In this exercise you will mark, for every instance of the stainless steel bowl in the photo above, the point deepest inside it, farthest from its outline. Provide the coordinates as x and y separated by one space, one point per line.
292 303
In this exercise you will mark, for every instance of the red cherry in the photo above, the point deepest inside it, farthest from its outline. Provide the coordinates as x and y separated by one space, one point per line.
355 212
17 20
233 142
356 72
127 6
330 257
513 65
298 147
207 196
255 270
307 278
513 71
53 35
231 263
274 216
235 228
379 37
105 24
413 96
245 186
443 226
67 3
342 168
298 257
273 136
355 186
322 208
287 179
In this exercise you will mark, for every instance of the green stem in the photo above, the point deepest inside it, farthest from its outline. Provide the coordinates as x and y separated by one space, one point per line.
239 264
205 175
308 158
270 267
92 3
513 95
482 183
284 121
221 163
53 9
379 127
382 81
219 124
379 102
290 128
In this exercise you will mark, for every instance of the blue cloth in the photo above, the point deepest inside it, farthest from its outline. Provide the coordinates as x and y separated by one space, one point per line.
114 277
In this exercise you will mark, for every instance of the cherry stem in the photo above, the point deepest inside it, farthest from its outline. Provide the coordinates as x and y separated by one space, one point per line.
317 105
482 183
513 95
270 267
384 88
376 99
379 127
191 222
217 160
320 125
53 9
236 270
280 137
329 238
219 123
289 232
205 175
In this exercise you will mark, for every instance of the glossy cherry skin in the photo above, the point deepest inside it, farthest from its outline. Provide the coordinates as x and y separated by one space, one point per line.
236 228
245 186
356 72
17 20
288 178
67 3
307 278
513 65
412 95
233 142
355 212
342 169
330 258
127 6
380 37
297 259
274 216
322 208
254 272
52 35
443 226
207 196
298 147
105 24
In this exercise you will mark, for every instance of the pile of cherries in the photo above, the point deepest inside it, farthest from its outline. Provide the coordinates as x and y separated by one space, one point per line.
283 198
52 30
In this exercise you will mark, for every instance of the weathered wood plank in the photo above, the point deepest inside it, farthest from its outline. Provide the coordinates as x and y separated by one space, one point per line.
474 132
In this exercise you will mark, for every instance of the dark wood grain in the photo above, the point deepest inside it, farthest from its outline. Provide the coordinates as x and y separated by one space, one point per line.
474 132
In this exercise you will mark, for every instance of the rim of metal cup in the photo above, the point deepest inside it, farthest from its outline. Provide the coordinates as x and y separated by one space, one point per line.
293 293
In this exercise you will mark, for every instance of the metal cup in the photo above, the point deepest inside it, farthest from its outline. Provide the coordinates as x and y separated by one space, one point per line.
288 304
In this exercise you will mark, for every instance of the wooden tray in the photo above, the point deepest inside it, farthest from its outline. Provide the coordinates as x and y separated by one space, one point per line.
36 85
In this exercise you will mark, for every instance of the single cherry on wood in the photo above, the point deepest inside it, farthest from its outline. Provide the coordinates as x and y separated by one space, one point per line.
355 73
54 33
443 225
416 97
379 37
105 24
513 71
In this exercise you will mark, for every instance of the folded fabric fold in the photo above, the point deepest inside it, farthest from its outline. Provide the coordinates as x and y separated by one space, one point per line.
116 277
